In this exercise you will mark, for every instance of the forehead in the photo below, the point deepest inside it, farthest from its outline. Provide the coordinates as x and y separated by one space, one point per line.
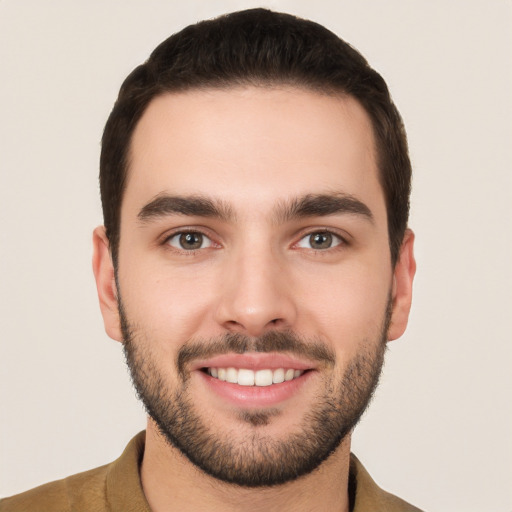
252 146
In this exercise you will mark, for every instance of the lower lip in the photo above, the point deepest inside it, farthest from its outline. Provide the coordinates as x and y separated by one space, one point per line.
255 396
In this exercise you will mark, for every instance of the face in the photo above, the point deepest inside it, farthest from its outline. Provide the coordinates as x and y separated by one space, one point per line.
255 284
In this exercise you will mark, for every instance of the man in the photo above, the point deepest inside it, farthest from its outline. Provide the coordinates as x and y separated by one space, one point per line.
255 261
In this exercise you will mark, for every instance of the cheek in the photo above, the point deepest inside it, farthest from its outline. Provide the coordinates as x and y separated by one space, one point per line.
346 305
169 307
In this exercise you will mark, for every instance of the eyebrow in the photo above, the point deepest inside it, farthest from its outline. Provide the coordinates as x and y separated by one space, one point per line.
196 205
310 205
322 205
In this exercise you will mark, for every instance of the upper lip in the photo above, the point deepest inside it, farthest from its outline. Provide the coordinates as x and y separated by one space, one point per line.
254 361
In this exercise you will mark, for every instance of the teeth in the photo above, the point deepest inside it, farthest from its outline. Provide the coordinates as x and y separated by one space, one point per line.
232 375
244 377
278 376
263 378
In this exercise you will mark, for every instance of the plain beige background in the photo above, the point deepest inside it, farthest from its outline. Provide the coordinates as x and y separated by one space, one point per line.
439 430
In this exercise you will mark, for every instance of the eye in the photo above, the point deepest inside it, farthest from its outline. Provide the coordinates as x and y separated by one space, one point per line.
189 241
320 240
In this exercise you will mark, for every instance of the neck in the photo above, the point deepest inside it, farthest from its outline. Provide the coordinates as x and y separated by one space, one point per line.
171 481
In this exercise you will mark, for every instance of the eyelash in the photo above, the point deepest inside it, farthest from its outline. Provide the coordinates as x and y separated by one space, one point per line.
341 241
338 240
188 252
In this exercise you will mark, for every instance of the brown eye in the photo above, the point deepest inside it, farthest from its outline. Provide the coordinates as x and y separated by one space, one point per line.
189 241
320 240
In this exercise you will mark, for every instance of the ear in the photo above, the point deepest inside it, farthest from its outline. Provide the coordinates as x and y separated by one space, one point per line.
403 276
105 283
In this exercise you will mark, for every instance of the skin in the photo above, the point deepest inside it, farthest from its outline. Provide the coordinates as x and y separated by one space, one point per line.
254 149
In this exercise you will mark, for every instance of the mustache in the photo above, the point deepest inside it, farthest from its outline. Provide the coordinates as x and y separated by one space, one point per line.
273 341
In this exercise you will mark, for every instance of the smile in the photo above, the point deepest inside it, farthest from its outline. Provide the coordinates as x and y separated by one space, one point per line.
246 377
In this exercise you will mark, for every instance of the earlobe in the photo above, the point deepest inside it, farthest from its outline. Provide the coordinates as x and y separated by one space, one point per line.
403 276
105 283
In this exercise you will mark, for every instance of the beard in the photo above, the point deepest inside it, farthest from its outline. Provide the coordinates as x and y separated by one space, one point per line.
258 460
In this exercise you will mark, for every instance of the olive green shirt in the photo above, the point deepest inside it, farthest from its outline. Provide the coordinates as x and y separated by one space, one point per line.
116 487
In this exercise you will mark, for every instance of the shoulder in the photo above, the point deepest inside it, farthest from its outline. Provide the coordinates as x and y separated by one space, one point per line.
115 486
63 495
369 497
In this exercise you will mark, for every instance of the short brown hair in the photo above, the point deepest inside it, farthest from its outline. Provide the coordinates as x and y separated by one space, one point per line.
257 47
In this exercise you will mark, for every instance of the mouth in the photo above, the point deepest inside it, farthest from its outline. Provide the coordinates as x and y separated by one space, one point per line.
255 380
247 377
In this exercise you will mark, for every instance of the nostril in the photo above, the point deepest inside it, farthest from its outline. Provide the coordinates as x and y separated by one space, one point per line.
233 323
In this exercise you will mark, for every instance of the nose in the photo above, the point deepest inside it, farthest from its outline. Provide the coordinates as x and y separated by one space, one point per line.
255 295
